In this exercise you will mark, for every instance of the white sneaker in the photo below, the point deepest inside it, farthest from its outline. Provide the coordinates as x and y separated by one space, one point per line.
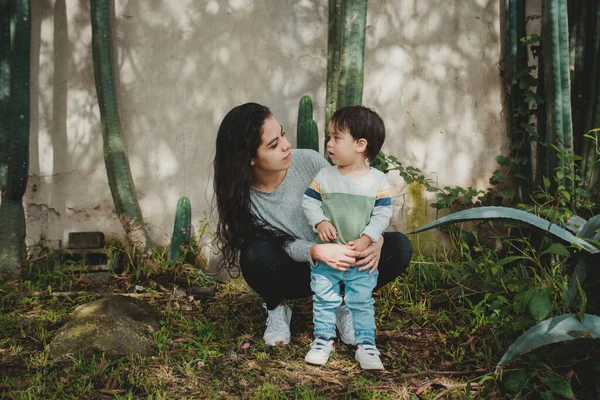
345 325
368 357
319 352
278 325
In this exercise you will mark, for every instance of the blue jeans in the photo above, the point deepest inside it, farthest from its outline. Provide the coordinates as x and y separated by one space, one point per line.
325 284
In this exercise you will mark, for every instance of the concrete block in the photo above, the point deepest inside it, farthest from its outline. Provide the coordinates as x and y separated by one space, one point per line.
86 240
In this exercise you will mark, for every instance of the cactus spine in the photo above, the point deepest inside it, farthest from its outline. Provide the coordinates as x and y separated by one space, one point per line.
559 129
182 229
14 130
120 179
307 131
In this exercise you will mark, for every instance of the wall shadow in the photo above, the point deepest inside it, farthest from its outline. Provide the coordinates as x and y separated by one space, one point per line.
431 71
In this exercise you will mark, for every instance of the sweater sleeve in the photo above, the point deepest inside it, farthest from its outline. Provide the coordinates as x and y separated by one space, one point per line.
382 213
312 204
299 250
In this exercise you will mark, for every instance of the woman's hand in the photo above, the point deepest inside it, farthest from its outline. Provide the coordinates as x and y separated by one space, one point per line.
369 258
338 256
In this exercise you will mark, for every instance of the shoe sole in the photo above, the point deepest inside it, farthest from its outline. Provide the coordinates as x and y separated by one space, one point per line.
373 368
315 363
279 342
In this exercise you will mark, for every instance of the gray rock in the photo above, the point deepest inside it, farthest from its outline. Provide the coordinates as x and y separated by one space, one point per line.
114 325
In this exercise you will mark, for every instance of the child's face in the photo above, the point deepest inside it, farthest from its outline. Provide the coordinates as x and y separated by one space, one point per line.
343 148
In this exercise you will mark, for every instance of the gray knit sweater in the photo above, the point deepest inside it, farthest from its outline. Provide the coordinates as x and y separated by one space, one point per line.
282 208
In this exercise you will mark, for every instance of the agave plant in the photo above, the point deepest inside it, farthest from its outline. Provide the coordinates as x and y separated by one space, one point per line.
558 328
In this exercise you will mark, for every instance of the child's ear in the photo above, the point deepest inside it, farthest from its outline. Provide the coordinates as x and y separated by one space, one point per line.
361 145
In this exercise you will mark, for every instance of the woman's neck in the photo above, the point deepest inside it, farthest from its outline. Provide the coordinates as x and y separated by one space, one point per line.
267 181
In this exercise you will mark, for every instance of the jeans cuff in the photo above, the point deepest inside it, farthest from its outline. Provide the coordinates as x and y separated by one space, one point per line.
365 337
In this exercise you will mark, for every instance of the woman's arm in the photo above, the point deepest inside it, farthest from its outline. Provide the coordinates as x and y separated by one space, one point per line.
338 256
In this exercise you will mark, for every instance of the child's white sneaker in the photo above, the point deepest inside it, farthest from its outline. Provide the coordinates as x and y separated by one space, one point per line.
278 325
343 321
367 356
319 352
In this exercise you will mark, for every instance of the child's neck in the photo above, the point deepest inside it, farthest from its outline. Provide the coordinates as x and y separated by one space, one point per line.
357 169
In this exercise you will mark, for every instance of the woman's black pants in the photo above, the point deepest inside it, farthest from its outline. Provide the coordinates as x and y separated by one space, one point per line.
275 276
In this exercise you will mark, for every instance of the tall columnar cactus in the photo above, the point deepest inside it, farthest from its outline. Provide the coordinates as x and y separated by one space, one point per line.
14 130
579 12
307 136
350 87
515 63
120 179
334 40
590 168
4 91
345 55
182 228
555 42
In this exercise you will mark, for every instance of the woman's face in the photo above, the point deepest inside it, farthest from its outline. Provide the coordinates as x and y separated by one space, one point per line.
274 153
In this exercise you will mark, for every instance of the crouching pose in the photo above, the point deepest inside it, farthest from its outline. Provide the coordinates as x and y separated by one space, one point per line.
259 182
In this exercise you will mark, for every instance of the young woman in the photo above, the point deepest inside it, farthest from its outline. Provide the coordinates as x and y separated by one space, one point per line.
259 182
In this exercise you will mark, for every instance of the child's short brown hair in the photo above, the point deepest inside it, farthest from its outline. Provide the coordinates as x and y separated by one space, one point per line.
362 123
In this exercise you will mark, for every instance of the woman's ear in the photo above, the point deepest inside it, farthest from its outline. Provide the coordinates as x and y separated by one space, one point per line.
361 145
252 162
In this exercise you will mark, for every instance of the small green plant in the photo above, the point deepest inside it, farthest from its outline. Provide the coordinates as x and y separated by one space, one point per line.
182 229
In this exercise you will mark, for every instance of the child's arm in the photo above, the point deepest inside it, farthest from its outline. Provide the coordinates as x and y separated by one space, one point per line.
361 243
312 206
382 213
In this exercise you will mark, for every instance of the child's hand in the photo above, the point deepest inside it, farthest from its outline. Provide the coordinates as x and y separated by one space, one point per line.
360 244
326 231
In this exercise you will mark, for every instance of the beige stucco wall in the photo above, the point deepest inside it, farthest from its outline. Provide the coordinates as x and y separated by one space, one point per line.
431 71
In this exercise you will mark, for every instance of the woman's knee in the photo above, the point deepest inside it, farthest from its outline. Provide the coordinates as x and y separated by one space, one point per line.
397 248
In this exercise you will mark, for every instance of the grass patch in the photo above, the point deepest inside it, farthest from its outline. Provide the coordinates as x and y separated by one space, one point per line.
439 338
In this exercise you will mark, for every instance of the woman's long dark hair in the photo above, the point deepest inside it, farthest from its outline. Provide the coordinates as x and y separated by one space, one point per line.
238 139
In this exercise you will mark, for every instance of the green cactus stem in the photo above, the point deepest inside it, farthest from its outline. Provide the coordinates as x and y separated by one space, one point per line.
4 90
307 136
542 165
515 63
334 48
350 88
14 131
578 24
182 229
590 168
19 101
345 56
559 129
120 179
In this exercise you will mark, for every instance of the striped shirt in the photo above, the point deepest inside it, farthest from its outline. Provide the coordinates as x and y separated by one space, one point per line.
355 207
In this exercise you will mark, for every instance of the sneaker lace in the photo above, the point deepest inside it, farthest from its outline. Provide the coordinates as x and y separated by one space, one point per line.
370 349
319 344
